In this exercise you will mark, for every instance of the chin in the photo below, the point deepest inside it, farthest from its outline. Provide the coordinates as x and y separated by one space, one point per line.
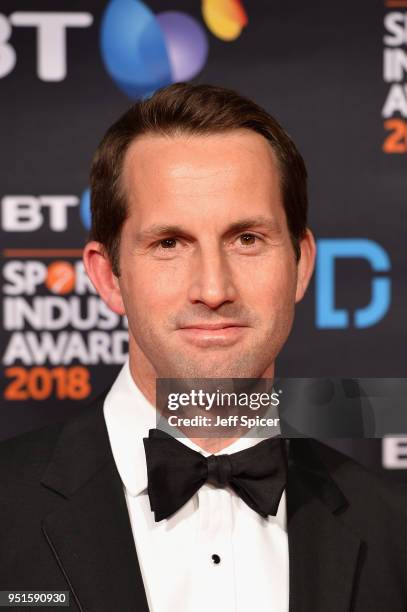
220 366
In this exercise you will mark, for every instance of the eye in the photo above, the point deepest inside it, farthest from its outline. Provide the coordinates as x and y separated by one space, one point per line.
168 243
248 239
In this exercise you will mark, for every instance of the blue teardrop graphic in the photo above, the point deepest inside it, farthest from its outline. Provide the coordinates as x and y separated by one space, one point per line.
84 209
133 48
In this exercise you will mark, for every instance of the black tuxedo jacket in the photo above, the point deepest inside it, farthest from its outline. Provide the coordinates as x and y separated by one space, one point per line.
64 525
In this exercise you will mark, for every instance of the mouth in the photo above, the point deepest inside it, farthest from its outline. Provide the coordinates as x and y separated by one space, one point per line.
213 334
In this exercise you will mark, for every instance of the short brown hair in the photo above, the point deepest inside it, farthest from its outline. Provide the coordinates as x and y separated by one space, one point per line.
189 109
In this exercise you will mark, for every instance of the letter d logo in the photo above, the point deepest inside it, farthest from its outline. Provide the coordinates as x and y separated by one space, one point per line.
329 249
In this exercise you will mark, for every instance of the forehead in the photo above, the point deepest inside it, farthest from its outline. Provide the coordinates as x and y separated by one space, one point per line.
238 166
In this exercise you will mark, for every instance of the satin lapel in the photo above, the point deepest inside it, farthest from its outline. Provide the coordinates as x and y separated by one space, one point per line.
90 534
323 552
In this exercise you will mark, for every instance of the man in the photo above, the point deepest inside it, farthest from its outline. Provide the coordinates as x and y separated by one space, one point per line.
199 236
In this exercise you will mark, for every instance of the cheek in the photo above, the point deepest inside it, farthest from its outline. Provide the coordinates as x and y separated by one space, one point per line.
150 293
270 281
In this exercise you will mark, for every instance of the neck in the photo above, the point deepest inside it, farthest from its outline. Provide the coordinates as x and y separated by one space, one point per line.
145 376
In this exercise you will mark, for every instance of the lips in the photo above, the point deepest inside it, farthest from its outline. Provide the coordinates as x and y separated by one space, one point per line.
213 326
206 335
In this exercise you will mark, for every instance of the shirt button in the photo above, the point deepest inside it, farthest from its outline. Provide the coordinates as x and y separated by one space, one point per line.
216 559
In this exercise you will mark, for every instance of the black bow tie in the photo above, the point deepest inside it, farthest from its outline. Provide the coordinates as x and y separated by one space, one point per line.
176 472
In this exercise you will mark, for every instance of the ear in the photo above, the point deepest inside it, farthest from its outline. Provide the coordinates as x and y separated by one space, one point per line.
305 266
99 270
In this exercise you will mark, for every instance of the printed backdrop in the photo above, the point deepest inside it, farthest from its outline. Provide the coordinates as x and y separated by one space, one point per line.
333 73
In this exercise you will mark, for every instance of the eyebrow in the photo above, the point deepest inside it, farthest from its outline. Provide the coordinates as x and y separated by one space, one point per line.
158 231
243 224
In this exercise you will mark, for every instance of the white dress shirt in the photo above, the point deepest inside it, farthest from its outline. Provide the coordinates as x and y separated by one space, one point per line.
175 554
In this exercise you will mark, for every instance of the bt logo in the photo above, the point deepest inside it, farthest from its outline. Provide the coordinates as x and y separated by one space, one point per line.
29 213
140 51
330 249
51 40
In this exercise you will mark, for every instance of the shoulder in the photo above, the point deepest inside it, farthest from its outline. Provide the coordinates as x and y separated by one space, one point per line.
356 480
374 503
27 454
364 503
24 458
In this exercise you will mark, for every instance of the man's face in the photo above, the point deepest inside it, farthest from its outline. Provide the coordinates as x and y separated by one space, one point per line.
208 272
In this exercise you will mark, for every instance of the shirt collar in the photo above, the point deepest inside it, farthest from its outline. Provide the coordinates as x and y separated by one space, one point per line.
129 416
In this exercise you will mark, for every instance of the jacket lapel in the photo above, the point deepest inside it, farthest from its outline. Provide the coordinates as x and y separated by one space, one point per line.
90 534
323 552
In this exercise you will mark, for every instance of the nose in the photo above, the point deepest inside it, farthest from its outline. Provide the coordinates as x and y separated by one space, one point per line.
212 283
